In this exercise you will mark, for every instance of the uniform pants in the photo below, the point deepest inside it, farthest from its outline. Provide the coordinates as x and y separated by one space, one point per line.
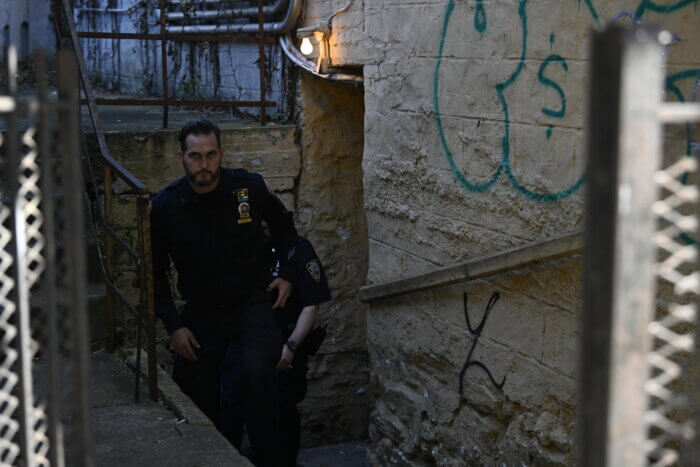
292 390
253 335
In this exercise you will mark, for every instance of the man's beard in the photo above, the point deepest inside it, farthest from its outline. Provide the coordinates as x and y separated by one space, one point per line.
214 177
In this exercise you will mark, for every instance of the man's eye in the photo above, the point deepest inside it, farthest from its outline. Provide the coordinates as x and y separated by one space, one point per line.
211 154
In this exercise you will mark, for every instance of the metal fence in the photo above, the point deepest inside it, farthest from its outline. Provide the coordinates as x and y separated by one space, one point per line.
43 323
639 361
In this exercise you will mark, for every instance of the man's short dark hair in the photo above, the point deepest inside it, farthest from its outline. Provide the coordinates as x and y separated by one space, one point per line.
198 127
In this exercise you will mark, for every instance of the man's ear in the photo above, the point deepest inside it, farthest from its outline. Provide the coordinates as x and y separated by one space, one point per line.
180 154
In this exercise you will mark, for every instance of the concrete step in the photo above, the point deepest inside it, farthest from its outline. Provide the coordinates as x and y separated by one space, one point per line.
348 454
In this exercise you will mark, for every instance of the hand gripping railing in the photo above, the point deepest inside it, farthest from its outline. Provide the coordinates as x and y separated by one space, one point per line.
103 218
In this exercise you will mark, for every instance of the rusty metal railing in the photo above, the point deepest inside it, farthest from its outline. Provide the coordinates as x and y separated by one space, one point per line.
163 36
102 222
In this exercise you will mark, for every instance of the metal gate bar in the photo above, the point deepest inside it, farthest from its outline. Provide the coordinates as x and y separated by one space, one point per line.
628 344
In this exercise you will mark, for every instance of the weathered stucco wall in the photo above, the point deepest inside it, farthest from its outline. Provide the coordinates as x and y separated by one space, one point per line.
475 116
330 214
527 341
26 24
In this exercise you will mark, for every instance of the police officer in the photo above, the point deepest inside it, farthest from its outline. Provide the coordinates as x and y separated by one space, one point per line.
296 320
209 224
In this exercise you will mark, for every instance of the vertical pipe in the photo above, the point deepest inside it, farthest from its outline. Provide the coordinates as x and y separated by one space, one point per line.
261 61
56 452
75 253
619 287
148 300
18 251
164 62
109 262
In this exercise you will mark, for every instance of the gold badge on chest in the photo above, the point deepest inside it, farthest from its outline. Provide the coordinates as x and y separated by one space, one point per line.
243 206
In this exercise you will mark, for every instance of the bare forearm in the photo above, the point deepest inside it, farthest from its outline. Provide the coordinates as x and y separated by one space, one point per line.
305 323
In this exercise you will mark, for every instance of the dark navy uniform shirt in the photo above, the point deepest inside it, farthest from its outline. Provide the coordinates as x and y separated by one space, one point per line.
309 284
217 244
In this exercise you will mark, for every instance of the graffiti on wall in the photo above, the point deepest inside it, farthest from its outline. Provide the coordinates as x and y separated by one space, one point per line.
476 333
505 166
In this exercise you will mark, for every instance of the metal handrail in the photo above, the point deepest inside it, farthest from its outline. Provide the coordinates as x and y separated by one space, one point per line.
478 268
142 254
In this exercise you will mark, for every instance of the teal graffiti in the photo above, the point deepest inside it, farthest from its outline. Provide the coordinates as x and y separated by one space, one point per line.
548 82
551 39
438 118
591 8
664 9
480 16
504 166
500 89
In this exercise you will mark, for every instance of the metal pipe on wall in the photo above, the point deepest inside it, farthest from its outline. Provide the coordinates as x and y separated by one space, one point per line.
280 27
247 12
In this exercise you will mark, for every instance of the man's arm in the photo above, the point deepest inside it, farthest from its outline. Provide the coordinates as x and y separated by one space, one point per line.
283 232
306 321
164 305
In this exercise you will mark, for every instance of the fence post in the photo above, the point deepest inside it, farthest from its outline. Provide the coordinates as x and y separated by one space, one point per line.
109 262
69 111
619 286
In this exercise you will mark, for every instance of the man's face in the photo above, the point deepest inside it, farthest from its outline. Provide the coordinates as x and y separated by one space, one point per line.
202 161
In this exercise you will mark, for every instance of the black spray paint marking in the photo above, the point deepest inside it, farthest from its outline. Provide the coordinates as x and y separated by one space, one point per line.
477 333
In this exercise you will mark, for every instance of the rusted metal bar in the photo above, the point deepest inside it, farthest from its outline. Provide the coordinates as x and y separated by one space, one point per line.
179 102
72 188
115 236
148 303
89 93
261 59
164 63
169 36
117 293
109 255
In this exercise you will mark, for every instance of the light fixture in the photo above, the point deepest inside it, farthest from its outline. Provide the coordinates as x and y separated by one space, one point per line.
320 32
306 46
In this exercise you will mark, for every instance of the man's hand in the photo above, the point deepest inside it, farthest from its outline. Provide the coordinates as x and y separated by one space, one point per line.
284 289
184 343
286 360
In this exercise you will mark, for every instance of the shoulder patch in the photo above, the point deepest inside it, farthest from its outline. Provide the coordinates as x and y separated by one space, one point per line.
314 269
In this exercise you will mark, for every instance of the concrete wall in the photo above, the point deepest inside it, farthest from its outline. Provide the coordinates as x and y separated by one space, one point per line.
474 142
28 25
330 213
201 71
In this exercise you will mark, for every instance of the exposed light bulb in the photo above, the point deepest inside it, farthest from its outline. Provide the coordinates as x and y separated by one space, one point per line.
306 46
